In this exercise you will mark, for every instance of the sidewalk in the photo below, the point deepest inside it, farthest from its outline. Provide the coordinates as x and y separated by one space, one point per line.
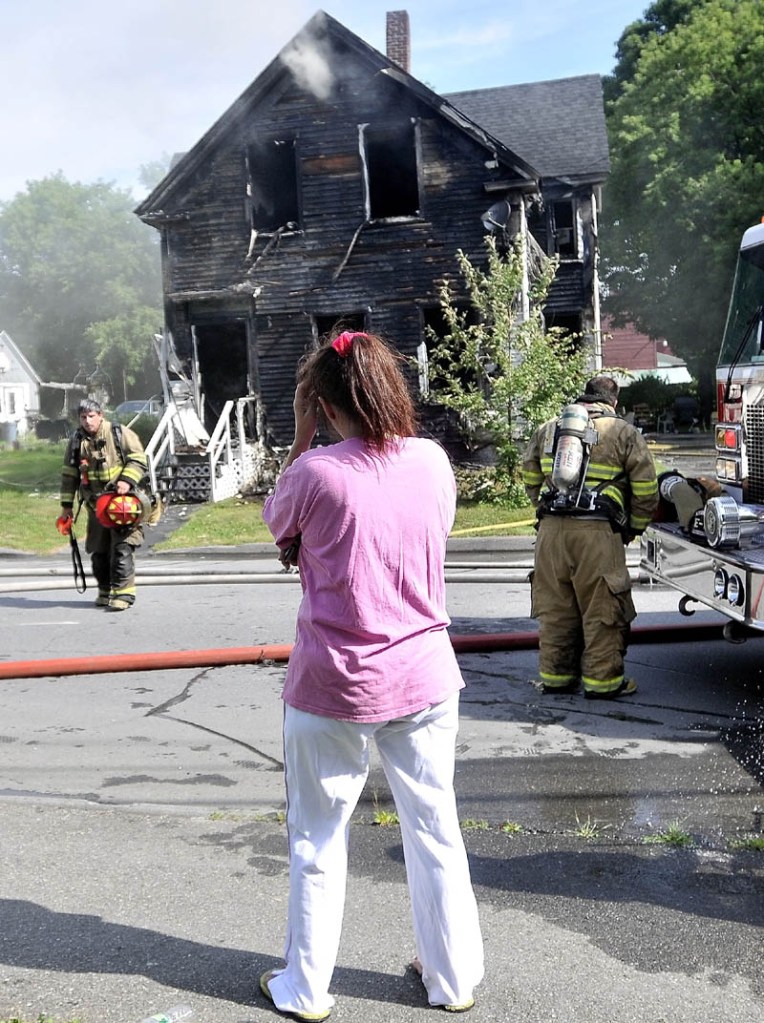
110 916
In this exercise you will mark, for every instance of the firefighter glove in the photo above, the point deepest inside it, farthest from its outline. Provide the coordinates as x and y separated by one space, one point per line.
64 523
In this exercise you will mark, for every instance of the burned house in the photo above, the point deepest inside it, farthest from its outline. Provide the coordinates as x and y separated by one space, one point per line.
338 188
559 128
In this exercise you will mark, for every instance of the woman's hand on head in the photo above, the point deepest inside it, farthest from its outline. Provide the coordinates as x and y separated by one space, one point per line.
305 414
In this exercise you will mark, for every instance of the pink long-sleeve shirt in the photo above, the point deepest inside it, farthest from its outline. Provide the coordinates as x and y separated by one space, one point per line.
371 641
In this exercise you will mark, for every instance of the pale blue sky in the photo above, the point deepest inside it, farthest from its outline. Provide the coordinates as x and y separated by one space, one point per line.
96 89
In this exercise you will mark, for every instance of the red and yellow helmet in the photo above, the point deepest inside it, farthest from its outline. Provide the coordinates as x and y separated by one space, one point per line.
118 510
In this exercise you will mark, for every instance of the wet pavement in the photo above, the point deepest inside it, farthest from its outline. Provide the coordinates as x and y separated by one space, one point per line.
144 858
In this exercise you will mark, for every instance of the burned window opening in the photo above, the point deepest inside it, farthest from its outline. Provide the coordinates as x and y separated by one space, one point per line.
554 226
435 329
273 186
391 171
564 225
223 364
569 324
538 227
327 324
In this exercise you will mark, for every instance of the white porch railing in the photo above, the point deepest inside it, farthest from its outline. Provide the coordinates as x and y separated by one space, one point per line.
225 448
161 448
232 460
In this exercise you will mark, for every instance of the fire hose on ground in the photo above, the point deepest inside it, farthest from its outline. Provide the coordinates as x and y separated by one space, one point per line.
223 656
456 572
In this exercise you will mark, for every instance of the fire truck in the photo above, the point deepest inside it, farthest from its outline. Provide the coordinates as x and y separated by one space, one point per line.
717 558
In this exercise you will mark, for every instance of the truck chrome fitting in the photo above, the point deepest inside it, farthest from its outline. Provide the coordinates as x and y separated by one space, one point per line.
726 523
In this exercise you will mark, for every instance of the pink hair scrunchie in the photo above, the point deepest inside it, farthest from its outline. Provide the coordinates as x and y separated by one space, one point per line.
343 343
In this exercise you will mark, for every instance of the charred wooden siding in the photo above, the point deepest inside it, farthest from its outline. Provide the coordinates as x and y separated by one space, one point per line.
567 293
337 261
270 266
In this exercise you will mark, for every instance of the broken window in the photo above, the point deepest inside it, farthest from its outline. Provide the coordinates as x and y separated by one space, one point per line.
391 170
326 325
538 226
435 330
273 191
564 228
555 227
569 323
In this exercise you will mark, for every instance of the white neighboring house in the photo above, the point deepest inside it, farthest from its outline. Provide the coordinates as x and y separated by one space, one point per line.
19 391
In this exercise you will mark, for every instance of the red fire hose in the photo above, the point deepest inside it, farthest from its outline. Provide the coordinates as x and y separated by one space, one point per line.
464 644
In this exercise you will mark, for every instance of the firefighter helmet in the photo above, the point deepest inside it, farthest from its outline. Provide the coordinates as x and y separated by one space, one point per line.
119 510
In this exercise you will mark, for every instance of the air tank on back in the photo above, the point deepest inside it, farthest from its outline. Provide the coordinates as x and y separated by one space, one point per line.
569 453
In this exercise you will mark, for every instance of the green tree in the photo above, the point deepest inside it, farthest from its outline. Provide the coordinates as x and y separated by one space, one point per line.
124 349
150 174
499 371
687 147
73 256
659 18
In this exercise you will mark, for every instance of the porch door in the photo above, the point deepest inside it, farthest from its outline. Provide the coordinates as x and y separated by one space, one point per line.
221 351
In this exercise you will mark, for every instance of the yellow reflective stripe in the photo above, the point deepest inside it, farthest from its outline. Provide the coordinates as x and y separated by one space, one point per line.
557 680
605 472
603 685
104 475
532 478
640 521
644 488
614 494
130 473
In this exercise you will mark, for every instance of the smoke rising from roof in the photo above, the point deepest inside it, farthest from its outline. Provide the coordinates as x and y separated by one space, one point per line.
308 61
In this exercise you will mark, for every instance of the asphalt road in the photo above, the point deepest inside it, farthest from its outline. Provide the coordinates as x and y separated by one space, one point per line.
144 862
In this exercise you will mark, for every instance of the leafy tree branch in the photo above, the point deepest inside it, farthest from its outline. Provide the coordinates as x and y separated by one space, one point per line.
498 370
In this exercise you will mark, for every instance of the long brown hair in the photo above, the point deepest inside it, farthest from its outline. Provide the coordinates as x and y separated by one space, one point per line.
361 375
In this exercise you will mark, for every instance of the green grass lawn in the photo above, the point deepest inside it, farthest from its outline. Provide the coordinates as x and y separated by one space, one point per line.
236 521
29 479
33 467
29 507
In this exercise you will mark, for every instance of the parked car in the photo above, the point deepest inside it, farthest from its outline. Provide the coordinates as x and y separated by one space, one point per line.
140 406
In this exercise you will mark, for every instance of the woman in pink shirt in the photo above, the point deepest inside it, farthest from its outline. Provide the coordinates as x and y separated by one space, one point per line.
367 521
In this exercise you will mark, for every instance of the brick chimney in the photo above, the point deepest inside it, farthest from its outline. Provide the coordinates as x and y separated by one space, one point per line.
398 39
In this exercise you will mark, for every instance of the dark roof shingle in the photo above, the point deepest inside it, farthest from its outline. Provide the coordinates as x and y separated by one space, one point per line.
557 126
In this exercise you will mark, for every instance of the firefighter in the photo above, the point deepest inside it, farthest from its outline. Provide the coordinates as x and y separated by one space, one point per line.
106 461
594 486
682 497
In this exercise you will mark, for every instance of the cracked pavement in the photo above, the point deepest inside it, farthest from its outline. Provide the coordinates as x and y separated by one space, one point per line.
144 863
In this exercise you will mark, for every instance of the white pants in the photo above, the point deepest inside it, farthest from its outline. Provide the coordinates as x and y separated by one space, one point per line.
327 763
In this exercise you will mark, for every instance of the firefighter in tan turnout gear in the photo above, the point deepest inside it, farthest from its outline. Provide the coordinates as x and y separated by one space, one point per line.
593 482
105 464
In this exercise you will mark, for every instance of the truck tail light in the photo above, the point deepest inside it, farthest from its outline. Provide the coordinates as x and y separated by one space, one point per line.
728 437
